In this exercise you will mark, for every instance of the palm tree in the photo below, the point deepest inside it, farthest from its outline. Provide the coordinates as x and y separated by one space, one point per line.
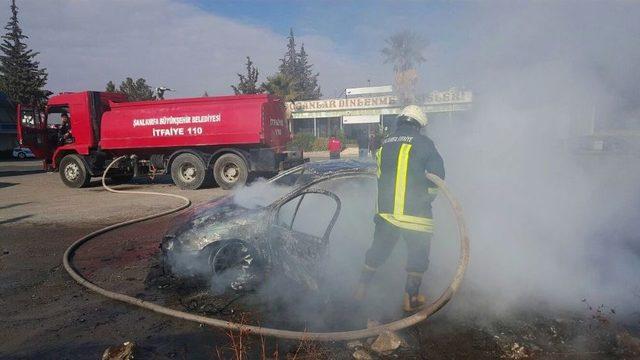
404 50
281 86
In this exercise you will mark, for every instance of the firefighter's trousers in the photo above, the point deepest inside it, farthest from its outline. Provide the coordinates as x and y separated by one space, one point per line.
385 238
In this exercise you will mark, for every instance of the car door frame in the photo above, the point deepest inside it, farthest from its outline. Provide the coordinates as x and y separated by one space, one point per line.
324 240
343 174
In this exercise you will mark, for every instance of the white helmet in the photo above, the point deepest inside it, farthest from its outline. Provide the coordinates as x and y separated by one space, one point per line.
416 113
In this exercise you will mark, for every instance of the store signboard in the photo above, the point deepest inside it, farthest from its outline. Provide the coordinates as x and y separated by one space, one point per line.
361 119
369 90
342 104
451 96
451 100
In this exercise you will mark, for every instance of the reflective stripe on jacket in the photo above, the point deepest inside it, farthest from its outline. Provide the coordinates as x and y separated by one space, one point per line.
404 193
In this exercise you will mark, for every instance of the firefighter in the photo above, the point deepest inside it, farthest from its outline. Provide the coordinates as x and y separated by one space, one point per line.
404 203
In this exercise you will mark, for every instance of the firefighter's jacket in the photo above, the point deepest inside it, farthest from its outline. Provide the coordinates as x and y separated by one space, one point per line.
404 193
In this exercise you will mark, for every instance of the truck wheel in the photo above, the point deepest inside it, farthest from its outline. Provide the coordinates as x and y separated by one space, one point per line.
230 171
73 172
189 172
21 156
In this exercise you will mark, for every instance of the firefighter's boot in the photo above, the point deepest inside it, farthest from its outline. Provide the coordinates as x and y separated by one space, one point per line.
413 300
363 285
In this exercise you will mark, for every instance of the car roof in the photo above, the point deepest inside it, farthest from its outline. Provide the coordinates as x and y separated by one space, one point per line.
331 166
311 171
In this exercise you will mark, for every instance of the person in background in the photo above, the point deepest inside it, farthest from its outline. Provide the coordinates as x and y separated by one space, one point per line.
64 132
374 143
363 144
335 147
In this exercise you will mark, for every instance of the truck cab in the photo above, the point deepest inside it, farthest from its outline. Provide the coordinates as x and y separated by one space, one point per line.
41 131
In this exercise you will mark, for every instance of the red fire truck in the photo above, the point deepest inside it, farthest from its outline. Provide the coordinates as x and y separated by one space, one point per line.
196 140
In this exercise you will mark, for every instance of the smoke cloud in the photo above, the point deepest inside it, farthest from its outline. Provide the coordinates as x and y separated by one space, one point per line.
550 225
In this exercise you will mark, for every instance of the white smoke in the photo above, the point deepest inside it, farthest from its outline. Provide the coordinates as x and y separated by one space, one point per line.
547 224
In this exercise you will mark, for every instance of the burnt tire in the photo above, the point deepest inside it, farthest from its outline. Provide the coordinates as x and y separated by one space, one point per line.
73 172
230 170
189 172
233 264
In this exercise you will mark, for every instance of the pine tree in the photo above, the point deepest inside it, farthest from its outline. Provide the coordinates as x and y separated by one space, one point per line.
307 81
248 82
289 62
111 87
136 90
20 74
295 79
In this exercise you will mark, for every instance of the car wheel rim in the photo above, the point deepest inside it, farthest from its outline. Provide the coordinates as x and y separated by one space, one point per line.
72 171
235 258
230 172
188 172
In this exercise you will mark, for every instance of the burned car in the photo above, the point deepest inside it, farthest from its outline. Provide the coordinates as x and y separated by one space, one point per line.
237 241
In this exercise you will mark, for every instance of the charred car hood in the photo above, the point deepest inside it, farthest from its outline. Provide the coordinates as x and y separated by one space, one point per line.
211 222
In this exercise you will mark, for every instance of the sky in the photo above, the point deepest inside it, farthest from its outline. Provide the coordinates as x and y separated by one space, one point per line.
197 46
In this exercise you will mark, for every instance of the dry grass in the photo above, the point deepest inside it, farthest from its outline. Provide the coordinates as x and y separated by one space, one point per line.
238 344
238 348
308 350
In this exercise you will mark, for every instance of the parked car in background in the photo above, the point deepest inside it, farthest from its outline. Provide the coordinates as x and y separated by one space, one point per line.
22 153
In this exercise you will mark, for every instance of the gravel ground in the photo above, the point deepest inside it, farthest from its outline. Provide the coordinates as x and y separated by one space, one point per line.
30 196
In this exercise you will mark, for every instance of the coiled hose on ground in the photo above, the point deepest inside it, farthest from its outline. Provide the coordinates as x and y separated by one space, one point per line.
408 321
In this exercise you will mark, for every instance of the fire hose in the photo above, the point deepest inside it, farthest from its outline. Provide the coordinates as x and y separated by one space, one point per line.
421 315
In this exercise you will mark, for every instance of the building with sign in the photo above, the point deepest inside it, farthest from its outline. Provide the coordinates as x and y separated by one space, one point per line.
362 112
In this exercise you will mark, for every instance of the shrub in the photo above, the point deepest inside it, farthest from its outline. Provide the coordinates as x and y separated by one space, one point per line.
320 144
308 142
302 141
